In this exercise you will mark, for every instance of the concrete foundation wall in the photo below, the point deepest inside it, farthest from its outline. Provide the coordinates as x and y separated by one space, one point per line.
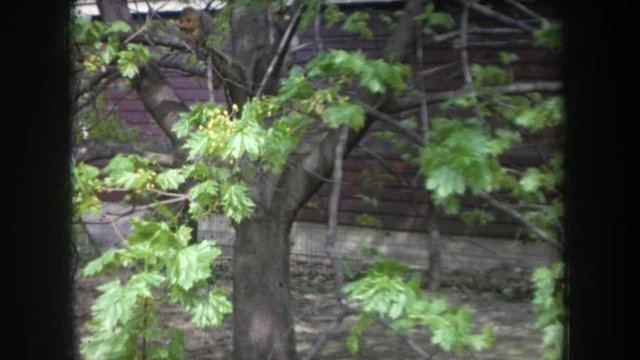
308 243
458 252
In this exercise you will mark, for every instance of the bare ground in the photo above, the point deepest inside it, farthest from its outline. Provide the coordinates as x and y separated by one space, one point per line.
500 297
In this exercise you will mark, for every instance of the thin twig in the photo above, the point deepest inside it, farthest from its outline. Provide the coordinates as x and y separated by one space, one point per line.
525 10
391 121
103 85
138 209
282 49
332 223
408 189
464 54
192 70
94 81
412 344
117 231
543 235
497 16
92 241
412 103
321 341
464 57
331 239
322 177
432 216
436 69
317 24
475 31
424 115
210 79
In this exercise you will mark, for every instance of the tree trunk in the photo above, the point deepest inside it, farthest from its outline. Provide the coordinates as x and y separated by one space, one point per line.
262 314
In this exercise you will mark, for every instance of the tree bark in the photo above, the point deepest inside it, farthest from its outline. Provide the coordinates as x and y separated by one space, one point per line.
263 326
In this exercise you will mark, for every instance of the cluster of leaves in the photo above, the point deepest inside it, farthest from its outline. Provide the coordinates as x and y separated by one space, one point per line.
430 19
100 53
166 269
460 156
215 186
550 35
354 23
464 155
384 294
268 129
549 307
97 123
86 183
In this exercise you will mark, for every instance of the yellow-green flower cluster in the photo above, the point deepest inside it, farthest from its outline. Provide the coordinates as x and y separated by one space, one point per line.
148 177
218 128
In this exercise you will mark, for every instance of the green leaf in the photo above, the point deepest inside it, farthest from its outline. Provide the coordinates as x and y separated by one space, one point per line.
402 325
356 23
96 266
176 345
243 142
441 19
343 67
141 284
445 338
477 216
170 179
353 341
430 18
118 26
211 310
183 235
532 180
110 51
332 15
508 58
192 264
344 114
368 220
114 306
445 182
488 75
237 203
197 144
549 35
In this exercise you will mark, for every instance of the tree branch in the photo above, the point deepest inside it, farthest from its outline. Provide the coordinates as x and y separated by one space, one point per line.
412 344
278 58
543 235
497 16
319 344
95 81
433 70
525 10
296 180
412 103
317 24
332 222
391 121
107 151
464 54
474 31
98 89
177 65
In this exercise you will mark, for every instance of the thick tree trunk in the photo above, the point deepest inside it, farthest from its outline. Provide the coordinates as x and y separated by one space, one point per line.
262 316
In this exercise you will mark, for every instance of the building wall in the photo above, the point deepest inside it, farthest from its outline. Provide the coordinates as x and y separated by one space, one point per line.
402 201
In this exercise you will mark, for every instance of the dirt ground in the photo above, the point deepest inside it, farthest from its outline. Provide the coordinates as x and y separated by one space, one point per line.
500 297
